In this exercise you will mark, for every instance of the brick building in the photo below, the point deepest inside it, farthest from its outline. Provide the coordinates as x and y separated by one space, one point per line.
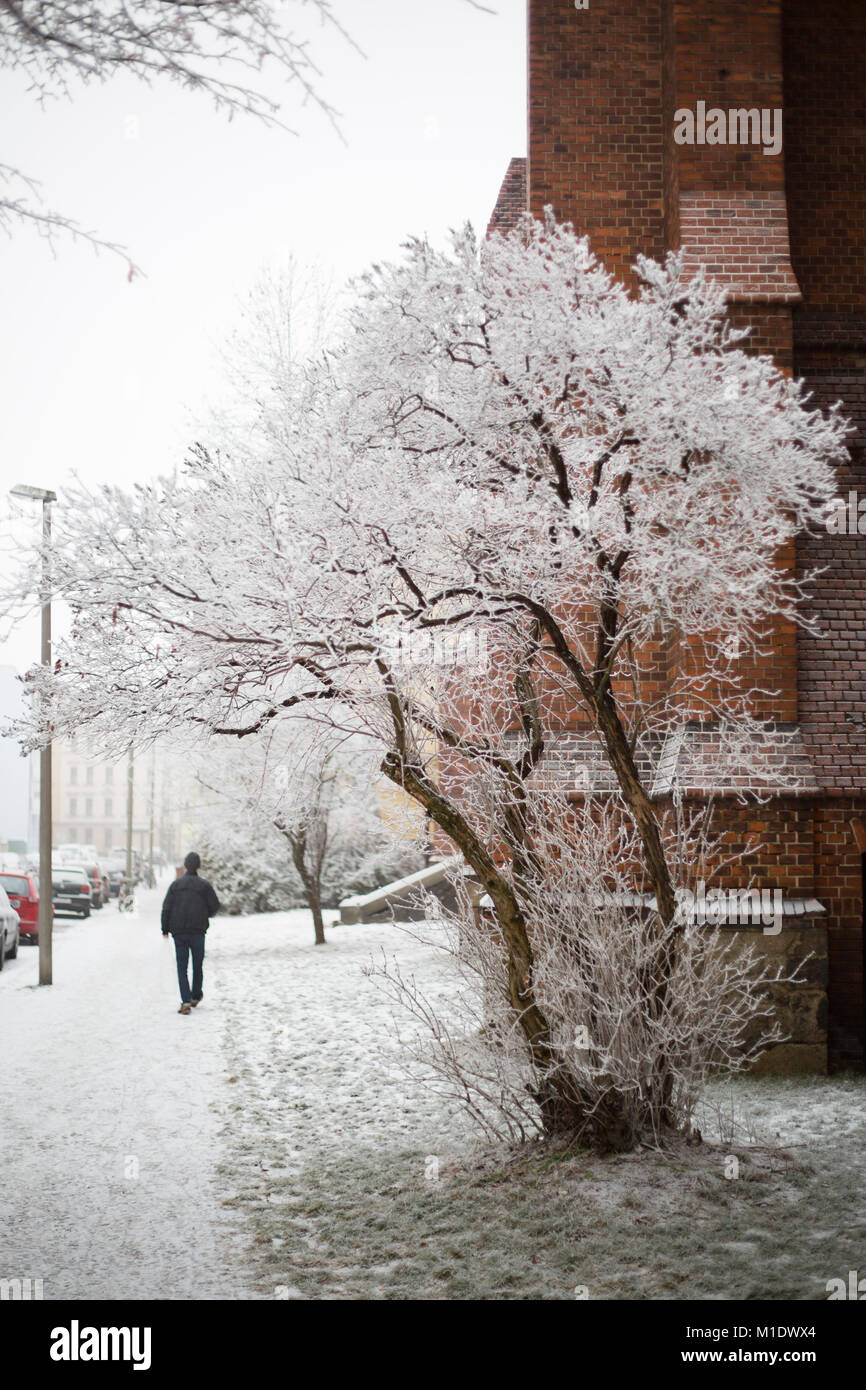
736 131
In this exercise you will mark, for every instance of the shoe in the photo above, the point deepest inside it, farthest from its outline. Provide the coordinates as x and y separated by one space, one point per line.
195 1002
184 1009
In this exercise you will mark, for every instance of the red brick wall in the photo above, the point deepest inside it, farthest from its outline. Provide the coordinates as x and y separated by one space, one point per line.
771 330
776 843
596 123
728 54
825 98
839 886
604 84
511 203
825 111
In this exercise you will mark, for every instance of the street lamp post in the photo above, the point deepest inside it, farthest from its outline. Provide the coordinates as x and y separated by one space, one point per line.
46 497
130 795
152 881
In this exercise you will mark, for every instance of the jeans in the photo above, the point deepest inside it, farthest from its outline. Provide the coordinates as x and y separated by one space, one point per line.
185 943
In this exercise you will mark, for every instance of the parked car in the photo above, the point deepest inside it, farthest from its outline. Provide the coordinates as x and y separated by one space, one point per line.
116 870
119 852
99 897
9 929
71 891
22 890
73 853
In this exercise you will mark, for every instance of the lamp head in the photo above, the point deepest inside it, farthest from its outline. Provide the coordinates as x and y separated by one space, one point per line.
38 494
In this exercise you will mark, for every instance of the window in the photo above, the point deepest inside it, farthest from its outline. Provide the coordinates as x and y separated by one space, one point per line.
88 806
13 884
88 776
109 777
73 776
73 806
109 807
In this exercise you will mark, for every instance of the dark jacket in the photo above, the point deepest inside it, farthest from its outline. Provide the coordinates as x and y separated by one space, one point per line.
189 904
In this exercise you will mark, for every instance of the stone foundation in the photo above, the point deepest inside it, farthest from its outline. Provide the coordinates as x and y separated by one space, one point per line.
801 1009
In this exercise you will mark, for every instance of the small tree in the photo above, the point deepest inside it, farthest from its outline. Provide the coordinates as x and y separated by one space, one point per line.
247 862
318 799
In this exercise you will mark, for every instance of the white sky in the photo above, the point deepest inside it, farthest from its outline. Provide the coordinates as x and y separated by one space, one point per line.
105 377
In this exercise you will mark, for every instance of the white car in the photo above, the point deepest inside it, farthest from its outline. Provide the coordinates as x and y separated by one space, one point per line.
9 935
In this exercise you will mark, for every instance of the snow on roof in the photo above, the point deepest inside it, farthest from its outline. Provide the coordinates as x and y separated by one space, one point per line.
422 878
743 905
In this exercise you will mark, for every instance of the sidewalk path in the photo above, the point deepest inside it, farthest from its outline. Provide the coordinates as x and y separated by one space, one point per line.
109 1134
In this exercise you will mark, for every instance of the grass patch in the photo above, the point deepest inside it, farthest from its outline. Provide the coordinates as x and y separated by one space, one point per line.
329 1155
652 1225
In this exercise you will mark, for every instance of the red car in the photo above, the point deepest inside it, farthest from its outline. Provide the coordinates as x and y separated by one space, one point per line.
22 890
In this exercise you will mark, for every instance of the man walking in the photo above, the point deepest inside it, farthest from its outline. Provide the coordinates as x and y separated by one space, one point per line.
189 905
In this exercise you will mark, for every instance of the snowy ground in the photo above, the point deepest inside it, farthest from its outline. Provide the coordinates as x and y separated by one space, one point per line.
269 1146
333 1159
108 1135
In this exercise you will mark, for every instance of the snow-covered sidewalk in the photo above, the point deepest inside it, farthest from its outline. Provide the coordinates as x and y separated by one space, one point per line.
109 1141
140 1146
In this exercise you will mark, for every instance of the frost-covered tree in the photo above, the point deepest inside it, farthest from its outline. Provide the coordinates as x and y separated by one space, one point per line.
246 861
287 791
476 522
290 313
627 1067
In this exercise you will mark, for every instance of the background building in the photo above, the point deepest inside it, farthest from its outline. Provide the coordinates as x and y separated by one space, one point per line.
90 801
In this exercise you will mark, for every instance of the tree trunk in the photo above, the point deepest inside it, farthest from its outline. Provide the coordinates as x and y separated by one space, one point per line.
562 1109
644 815
315 905
311 883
